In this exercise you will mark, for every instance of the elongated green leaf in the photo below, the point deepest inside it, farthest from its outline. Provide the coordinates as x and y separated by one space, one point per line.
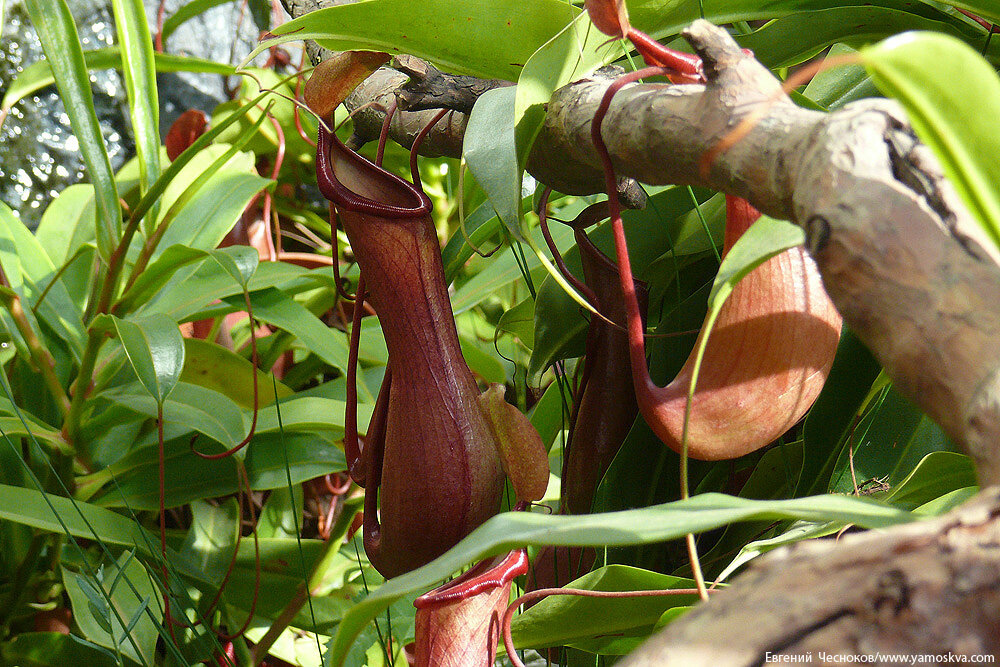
481 225
576 51
140 83
185 13
563 620
39 75
957 126
482 38
20 252
28 507
189 477
135 603
488 149
642 526
937 475
792 39
57 31
154 347
53 649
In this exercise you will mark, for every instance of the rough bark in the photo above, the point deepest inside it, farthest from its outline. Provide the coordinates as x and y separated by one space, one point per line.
926 588
913 276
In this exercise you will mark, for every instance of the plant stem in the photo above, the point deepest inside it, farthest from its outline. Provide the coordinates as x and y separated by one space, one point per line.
81 387
41 357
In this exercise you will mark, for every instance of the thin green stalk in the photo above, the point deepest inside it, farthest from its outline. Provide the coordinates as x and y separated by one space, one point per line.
81 386
40 356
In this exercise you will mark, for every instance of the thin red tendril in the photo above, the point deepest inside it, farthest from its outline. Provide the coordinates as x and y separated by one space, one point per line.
256 394
352 449
415 147
557 257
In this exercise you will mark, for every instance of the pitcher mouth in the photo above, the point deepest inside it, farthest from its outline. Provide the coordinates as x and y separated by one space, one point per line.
355 183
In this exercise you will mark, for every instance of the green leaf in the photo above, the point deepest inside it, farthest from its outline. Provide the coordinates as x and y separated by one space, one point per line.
958 127
481 225
937 475
28 507
154 347
275 307
53 649
140 84
560 620
641 526
38 75
185 13
520 321
219 369
137 642
488 148
29 272
576 51
832 416
482 38
789 40
57 32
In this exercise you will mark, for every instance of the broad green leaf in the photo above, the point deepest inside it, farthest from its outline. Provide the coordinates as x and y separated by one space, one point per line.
57 32
239 261
210 282
141 611
154 347
212 536
560 620
798 531
68 222
36 274
482 38
215 200
641 526
483 364
37 76
576 51
937 475
867 462
53 649
140 83
547 416
281 515
488 148
831 418
957 126
520 321
275 307
190 407
215 367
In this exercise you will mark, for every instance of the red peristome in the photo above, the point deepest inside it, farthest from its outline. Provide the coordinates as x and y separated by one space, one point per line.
458 624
